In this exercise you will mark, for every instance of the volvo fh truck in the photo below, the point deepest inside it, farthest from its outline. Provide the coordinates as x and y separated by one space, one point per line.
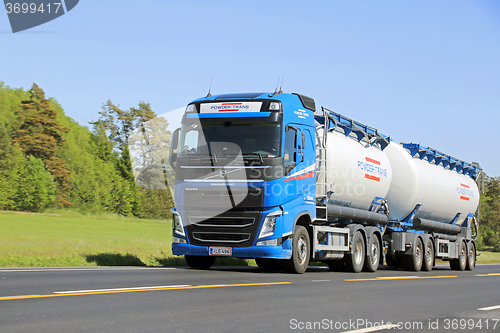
268 176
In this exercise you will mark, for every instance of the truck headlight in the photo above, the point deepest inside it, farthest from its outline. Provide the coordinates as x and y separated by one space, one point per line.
177 224
269 224
274 106
191 108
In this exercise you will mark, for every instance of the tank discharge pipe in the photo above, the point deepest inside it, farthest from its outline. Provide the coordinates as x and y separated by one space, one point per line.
357 215
428 225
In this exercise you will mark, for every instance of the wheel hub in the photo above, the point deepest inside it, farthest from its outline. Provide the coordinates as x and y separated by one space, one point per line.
302 249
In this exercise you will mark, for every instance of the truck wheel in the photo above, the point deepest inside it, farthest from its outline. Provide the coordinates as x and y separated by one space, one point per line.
414 262
199 262
460 263
354 262
429 256
471 258
373 258
301 251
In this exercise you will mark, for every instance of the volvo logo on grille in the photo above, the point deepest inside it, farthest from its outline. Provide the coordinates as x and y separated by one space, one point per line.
223 173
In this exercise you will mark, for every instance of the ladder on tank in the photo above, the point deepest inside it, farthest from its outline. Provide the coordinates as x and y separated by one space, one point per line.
321 174
362 133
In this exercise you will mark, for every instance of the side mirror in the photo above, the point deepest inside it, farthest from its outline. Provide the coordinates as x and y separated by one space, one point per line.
172 158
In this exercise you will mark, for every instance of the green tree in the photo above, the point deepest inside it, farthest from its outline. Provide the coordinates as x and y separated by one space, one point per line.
39 134
10 157
491 213
122 128
36 190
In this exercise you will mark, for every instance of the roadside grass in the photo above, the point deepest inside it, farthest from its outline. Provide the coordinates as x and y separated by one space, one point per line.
68 238
488 257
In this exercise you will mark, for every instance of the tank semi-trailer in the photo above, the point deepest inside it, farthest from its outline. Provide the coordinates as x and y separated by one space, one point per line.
314 186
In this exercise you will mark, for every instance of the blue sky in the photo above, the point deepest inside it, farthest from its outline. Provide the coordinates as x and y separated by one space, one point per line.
420 71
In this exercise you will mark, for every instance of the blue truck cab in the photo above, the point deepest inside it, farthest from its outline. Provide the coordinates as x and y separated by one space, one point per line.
245 179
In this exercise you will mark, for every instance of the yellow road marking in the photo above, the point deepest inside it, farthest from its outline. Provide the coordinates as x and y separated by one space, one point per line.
403 278
492 274
139 289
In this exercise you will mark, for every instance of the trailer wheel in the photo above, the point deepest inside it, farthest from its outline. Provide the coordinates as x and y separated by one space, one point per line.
471 258
460 263
429 256
373 258
354 262
301 251
200 262
414 262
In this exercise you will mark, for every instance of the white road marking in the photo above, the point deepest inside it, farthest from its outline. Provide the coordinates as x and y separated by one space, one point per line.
373 329
494 307
117 289
321 280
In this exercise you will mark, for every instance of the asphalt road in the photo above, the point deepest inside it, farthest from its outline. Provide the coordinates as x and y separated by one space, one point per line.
241 299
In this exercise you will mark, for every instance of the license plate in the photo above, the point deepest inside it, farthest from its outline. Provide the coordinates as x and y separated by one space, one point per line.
220 251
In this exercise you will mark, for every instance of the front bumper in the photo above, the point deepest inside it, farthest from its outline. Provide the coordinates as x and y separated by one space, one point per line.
269 252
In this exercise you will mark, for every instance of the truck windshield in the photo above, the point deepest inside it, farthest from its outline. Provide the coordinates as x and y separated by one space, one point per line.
225 138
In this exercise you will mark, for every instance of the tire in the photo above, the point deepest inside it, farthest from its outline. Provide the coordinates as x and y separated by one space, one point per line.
373 259
471 258
200 262
428 256
460 263
301 251
354 262
414 262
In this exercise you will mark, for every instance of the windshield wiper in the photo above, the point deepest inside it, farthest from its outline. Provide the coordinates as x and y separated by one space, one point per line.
256 154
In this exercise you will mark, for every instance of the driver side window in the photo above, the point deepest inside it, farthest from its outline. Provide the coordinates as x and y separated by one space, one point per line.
290 144
191 142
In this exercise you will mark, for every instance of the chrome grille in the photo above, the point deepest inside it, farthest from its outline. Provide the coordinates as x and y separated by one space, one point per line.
221 237
229 222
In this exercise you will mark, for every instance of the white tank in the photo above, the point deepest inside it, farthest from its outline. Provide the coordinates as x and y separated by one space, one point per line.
442 193
357 173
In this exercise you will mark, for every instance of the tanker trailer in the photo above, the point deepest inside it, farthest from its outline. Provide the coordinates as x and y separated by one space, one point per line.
432 201
421 200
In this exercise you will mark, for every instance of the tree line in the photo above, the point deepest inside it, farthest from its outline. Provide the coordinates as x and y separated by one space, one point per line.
48 160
